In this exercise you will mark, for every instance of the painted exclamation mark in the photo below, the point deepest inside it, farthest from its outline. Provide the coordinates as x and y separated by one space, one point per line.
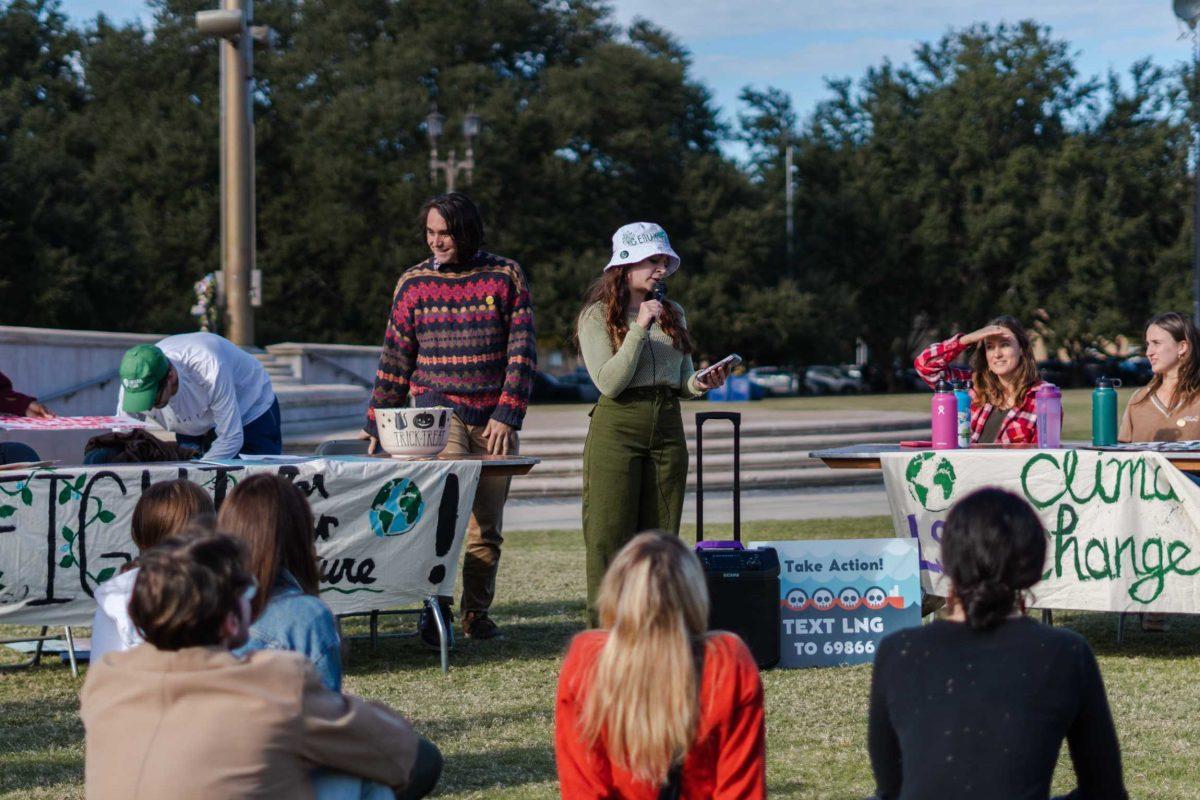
447 522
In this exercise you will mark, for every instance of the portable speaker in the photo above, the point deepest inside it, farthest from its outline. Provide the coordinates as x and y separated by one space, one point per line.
743 585
743 591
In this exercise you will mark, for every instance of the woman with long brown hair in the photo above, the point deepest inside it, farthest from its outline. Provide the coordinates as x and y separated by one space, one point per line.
652 704
1168 408
638 351
1004 375
272 517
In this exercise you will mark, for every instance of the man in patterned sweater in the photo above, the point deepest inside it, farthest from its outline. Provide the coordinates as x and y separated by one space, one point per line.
460 334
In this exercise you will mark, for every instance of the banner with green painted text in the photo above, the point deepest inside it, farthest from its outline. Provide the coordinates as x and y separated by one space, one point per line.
1123 529
388 533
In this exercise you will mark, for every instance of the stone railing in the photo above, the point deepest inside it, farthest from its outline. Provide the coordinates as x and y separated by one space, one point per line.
329 363
73 371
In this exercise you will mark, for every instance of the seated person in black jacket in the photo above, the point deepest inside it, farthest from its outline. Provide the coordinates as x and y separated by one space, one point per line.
977 705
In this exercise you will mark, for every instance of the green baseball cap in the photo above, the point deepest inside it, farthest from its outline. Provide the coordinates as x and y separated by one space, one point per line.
142 370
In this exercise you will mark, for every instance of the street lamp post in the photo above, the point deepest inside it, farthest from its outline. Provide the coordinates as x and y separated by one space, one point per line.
231 24
1189 12
790 196
452 165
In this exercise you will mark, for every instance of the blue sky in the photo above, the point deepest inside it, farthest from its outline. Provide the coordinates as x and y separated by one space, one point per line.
796 44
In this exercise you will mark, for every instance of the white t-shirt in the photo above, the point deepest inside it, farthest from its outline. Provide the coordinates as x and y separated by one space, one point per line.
112 630
221 387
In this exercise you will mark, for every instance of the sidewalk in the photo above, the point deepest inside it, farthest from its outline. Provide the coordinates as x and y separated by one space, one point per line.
564 514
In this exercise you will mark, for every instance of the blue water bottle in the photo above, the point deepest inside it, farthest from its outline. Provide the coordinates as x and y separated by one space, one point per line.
962 396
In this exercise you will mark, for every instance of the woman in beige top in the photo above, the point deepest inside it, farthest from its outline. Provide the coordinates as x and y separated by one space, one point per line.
1168 409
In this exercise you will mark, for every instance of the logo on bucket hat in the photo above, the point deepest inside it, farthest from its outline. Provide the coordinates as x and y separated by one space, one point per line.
638 241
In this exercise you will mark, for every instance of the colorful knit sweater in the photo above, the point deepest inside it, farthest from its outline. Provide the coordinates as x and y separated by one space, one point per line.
459 335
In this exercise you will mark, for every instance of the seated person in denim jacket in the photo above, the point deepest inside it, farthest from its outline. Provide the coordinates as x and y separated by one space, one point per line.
274 520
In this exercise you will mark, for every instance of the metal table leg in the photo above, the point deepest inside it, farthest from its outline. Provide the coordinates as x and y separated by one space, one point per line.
443 633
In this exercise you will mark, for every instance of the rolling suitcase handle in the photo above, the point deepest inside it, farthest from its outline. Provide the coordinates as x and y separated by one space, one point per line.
736 418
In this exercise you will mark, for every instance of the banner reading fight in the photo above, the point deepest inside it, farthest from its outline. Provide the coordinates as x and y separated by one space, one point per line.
388 532
1123 529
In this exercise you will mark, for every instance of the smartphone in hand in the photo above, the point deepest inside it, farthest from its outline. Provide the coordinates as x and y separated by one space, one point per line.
730 361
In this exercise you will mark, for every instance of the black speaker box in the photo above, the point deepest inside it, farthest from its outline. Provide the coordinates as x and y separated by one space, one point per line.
743 585
743 590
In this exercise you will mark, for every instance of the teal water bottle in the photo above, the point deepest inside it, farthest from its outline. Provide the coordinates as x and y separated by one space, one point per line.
1104 413
963 398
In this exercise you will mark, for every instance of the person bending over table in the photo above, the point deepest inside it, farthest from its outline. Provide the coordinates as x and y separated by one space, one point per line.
977 705
212 394
18 405
638 351
1005 379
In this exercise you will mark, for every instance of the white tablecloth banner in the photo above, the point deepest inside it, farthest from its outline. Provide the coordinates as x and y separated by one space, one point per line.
388 532
1123 529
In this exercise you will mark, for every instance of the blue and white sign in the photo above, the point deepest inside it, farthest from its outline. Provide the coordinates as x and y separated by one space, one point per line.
839 597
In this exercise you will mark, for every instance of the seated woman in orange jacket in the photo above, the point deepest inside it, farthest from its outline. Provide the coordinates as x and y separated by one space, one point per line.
652 703
1005 378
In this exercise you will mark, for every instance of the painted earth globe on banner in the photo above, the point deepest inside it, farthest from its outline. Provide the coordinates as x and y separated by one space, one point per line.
930 480
397 507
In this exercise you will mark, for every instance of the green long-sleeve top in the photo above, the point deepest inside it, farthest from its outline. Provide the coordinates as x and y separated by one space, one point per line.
645 358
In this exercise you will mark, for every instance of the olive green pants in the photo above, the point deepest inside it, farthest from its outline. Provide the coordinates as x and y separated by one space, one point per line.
635 467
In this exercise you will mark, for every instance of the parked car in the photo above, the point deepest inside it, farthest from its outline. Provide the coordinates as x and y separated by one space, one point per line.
1135 371
775 381
909 380
1060 373
549 389
823 379
580 378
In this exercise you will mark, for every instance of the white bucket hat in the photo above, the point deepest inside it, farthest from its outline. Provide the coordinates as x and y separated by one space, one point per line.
640 240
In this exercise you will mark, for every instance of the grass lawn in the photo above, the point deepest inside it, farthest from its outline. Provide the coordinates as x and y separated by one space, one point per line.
493 715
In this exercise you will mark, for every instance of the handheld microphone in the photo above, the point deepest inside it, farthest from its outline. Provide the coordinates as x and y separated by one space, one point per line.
660 291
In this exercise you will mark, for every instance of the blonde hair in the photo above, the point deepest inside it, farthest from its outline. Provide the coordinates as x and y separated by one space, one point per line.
643 696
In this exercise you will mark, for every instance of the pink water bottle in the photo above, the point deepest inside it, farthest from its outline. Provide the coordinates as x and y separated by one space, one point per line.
945 417
1048 404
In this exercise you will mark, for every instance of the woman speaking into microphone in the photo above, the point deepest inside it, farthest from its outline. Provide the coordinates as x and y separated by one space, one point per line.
637 349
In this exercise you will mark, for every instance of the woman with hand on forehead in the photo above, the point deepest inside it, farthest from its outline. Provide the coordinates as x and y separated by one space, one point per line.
638 351
1005 378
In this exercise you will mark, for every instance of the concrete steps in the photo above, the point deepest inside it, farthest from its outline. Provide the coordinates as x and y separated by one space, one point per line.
312 409
281 372
532 486
775 445
774 452
751 445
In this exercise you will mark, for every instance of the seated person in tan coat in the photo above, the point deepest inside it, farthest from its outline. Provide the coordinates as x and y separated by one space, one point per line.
182 717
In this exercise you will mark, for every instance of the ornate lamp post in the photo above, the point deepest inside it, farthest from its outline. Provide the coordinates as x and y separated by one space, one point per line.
231 24
452 165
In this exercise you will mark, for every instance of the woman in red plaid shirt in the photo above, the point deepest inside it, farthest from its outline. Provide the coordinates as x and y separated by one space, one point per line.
1005 380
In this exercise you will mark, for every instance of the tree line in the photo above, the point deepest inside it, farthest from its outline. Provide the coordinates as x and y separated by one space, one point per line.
985 176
